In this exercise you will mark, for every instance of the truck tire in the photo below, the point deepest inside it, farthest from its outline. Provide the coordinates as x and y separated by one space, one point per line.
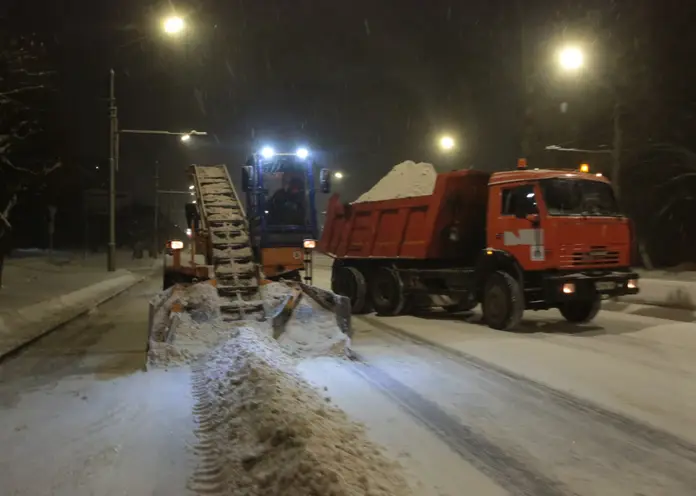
387 291
350 282
581 311
503 302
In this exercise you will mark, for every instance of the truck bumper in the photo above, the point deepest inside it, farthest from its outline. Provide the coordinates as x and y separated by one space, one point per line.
559 288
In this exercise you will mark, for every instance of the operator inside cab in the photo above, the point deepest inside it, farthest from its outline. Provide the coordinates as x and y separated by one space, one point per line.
287 205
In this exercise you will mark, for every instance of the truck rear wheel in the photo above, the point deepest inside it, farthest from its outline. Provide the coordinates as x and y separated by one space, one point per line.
581 311
503 302
350 282
387 291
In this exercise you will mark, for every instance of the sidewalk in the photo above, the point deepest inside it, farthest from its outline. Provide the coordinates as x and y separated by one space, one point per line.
39 294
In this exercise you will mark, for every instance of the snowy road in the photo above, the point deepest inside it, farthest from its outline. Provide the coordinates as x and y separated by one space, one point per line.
79 416
553 409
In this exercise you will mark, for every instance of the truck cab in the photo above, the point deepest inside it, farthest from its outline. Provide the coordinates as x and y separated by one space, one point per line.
566 235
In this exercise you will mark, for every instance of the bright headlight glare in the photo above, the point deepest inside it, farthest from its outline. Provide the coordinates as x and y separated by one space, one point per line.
267 152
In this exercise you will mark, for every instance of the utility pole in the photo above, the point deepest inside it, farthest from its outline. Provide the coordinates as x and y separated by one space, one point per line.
156 219
113 154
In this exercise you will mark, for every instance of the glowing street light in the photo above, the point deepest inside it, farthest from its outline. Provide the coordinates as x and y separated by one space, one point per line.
447 143
338 175
185 138
571 58
173 25
191 186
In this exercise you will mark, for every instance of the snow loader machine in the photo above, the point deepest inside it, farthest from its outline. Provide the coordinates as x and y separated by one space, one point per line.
229 251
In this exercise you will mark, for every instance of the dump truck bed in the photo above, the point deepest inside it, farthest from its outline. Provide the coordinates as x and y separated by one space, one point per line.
448 224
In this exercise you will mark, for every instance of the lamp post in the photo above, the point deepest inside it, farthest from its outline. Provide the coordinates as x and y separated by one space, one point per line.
172 26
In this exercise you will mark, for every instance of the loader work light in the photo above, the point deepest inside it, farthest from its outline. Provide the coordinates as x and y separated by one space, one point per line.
302 153
267 152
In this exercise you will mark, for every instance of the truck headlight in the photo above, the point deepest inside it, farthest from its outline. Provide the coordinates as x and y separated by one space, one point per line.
568 288
177 245
632 284
309 244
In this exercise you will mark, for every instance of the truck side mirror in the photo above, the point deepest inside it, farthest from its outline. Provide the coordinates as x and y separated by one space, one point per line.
247 178
325 180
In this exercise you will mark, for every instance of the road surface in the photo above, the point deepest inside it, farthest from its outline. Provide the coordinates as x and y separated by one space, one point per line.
80 416
607 408
554 410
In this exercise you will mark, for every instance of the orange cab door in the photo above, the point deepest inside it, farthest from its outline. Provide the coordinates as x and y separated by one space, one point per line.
511 227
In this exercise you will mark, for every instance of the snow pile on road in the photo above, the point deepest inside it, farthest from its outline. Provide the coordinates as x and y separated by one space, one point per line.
179 338
405 180
264 431
313 331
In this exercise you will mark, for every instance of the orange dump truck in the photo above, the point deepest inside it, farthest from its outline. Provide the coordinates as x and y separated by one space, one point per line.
513 240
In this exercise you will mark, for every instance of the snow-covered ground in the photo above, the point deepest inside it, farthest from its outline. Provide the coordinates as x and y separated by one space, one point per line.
554 409
557 402
83 418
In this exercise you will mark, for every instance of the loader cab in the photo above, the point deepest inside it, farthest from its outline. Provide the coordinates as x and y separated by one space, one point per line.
280 198
556 219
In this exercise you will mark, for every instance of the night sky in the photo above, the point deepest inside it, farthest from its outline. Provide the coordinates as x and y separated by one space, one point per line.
366 84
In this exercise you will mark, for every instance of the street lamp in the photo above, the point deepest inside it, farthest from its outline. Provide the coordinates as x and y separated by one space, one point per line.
571 58
185 138
338 175
191 186
173 25
447 143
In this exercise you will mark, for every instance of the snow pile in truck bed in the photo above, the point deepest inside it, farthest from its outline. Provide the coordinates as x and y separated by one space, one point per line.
264 431
405 180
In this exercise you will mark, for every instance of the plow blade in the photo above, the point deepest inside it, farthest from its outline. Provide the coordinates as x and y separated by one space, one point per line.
284 311
336 304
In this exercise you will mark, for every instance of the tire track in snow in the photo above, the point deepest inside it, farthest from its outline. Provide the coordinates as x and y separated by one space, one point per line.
208 478
629 426
509 472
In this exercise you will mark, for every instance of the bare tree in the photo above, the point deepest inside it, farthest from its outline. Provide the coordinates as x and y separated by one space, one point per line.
27 152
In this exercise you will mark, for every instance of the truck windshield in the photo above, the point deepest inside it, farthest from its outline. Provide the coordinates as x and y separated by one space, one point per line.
286 200
579 197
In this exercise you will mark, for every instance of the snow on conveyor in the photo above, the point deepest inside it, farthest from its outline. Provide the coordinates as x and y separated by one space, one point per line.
405 180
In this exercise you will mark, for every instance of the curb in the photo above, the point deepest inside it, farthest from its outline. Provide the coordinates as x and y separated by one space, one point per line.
22 326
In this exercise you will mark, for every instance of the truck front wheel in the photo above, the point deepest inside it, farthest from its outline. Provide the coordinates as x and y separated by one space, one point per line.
581 311
503 302
388 292
350 282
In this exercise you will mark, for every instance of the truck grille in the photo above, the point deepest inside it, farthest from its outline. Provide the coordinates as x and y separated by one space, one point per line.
591 256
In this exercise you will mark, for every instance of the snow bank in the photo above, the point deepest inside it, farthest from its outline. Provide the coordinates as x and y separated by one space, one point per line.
264 431
405 180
